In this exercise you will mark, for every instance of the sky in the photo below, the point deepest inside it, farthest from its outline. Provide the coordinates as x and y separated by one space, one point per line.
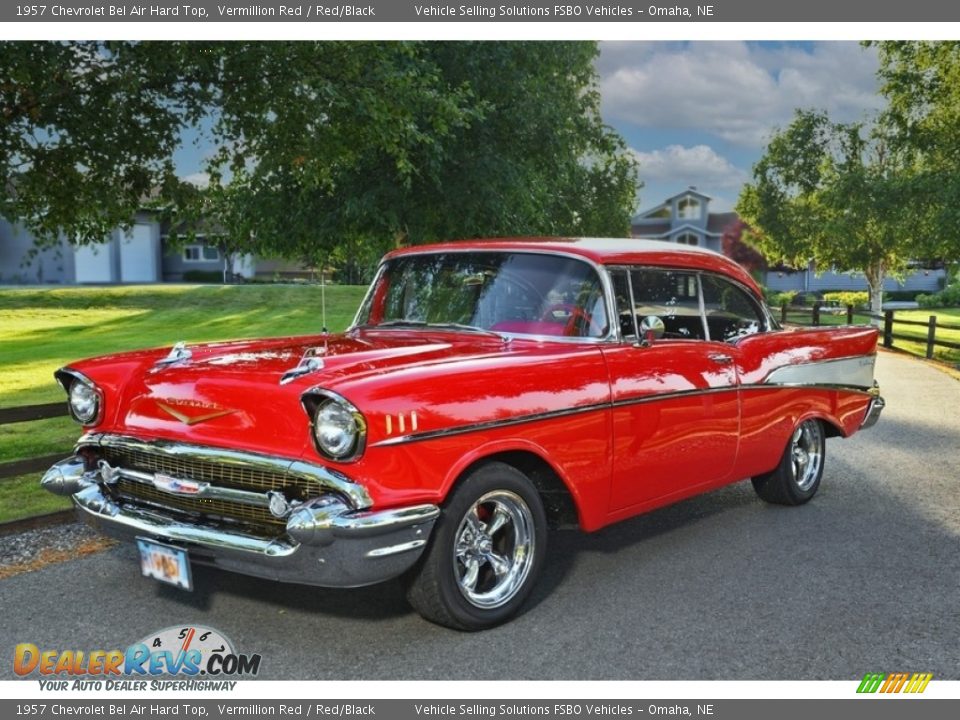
699 113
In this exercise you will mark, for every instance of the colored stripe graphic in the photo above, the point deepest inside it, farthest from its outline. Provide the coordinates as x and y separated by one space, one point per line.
918 683
894 683
870 683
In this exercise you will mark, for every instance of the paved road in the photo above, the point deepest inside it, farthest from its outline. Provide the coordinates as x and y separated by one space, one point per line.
864 578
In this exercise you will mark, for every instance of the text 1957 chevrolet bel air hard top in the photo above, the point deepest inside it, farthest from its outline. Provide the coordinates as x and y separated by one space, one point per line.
486 391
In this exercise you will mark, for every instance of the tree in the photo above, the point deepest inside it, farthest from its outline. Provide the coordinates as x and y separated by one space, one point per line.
921 81
733 246
834 193
88 129
321 148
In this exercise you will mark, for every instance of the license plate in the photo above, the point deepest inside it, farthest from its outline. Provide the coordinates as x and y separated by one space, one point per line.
164 563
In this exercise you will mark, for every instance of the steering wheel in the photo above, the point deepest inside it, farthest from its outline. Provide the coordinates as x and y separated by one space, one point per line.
576 318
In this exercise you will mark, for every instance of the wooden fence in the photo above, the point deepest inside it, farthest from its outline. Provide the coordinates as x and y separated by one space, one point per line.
890 320
16 468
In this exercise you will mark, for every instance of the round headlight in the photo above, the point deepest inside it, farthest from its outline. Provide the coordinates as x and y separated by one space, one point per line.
84 402
336 429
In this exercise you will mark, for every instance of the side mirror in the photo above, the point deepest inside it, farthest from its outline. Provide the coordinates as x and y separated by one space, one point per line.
651 328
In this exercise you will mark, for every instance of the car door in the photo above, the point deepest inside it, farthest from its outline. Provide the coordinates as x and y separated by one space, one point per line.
675 407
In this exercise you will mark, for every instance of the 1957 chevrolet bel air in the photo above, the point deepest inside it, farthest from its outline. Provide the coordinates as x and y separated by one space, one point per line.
487 390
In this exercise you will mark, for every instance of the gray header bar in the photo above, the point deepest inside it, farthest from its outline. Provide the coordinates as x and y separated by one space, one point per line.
333 11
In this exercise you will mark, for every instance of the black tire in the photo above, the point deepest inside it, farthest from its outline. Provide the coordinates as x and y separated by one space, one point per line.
456 583
797 478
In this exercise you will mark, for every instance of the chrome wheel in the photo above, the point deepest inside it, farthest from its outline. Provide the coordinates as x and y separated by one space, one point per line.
806 448
494 549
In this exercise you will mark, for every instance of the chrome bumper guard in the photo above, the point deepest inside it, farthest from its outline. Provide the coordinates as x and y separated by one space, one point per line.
327 543
874 408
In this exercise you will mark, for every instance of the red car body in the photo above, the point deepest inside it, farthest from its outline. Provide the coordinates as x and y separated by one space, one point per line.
603 427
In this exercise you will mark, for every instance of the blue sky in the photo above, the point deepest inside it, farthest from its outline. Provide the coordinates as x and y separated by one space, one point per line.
699 113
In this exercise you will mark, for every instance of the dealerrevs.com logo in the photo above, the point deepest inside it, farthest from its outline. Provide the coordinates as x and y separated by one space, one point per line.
187 652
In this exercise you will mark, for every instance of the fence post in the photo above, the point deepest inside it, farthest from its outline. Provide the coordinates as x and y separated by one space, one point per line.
931 335
783 314
849 314
888 328
816 313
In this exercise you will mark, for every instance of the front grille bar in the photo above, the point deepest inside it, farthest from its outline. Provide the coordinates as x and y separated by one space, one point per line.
241 468
204 491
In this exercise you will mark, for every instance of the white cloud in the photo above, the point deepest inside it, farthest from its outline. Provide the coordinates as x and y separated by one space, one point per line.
699 165
198 179
734 90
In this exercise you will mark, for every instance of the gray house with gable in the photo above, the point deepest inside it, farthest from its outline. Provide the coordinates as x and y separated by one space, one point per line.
685 218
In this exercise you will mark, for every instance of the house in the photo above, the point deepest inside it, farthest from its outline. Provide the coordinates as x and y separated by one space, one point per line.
685 218
140 254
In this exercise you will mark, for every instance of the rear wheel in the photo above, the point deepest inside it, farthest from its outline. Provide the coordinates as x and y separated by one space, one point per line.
486 551
796 479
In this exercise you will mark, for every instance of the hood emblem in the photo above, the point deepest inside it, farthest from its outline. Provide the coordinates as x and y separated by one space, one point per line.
192 419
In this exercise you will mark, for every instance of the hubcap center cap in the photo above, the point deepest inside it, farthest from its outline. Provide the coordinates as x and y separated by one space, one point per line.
485 545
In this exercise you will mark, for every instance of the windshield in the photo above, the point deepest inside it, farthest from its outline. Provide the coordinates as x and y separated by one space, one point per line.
503 292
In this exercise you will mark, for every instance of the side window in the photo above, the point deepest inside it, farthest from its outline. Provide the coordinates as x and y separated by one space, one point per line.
731 312
671 295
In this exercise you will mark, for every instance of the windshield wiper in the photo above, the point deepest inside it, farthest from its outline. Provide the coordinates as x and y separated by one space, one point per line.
439 325
465 327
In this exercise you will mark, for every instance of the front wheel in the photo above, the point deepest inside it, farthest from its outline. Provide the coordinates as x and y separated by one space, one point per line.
796 479
486 551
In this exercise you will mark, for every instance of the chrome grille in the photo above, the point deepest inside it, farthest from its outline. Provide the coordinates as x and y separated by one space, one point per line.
222 473
239 512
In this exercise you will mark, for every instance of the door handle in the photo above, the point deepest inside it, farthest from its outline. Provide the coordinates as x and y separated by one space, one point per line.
720 358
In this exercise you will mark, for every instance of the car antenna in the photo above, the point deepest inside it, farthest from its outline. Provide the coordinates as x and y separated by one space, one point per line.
323 303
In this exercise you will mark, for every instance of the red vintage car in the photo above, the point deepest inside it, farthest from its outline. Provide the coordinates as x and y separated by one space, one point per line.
487 390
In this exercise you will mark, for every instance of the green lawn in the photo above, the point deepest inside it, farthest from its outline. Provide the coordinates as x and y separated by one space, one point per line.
950 316
43 329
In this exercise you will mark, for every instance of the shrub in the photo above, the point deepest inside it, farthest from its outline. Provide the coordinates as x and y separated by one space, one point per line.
857 299
949 297
779 299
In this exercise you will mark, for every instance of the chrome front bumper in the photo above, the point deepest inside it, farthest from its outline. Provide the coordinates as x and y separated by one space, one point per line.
326 543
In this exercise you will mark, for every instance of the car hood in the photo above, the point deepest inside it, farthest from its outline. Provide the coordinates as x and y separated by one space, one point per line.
240 391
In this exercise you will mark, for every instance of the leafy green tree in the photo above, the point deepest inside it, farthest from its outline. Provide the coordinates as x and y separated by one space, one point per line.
834 193
88 129
921 81
319 149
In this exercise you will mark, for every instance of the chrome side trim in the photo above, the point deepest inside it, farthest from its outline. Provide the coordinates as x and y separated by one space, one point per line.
856 371
327 478
653 397
488 424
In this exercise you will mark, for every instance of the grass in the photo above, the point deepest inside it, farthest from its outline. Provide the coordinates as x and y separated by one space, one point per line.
43 329
950 316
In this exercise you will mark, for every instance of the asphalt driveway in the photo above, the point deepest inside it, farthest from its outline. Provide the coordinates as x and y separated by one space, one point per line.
866 577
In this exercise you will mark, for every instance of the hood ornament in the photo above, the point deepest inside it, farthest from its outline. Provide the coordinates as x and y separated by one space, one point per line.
308 363
178 352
